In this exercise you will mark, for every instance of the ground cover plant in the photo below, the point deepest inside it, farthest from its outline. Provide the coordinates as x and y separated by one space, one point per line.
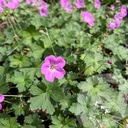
63 64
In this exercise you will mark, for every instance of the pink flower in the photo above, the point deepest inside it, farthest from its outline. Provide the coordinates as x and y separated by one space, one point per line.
79 3
2 2
12 4
123 10
118 16
117 1
114 24
97 3
1 100
1 9
88 18
110 62
53 68
44 9
112 7
66 5
28 1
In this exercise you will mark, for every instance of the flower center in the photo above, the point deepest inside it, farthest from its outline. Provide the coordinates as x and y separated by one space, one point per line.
52 66
87 19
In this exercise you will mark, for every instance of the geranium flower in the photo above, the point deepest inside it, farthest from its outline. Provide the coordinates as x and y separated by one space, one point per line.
118 16
43 10
66 5
79 3
1 9
114 23
12 4
117 1
112 7
2 2
97 3
28 1
123 10
53 68
1 100
110 62
88 18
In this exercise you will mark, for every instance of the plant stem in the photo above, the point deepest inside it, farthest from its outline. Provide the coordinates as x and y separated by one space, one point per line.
14 96
50 42
11 25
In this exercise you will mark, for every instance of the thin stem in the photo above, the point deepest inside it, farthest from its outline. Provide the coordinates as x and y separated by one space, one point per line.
17 23
11 25
14 96
99 67
7 102
50 42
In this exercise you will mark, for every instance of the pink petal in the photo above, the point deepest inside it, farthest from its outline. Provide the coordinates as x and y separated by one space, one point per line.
1 97
28 1
91 23
68 7
60 61
49 76
59 73
79 3
50 59
45 67
12 5
43 11
1 9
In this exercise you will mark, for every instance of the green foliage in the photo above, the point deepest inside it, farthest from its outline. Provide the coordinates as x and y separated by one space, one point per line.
93 93
33 121
8 122
62 122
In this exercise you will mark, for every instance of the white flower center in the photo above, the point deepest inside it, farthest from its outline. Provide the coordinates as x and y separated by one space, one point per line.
52 67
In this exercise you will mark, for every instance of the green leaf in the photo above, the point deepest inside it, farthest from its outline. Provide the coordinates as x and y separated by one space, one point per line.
18 109
21 80
8 122
89 70
56 93
26 38
36 51
42 102
38 22
18 60
31 72
94 86
35 90
60 122
34 121
29 126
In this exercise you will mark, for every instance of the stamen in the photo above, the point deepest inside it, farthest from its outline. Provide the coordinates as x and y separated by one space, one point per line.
52 67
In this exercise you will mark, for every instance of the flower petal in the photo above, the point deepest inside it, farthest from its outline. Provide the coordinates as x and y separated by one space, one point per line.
12 5
59 73
1 97
49 76
60 61
43 11
50 59
45 67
